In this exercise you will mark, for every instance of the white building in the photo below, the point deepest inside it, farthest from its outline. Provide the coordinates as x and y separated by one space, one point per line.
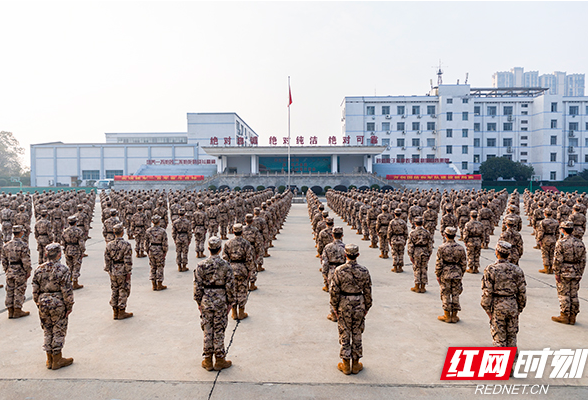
466 126
557 83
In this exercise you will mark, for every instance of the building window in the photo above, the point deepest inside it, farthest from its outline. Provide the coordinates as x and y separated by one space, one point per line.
586 158
574 142
523 161
400 126
465 100
400 110
553 174
476 158
553 123
464 116
476 142
464 165
370 110
371 126
430 110
449 149
491 127
524 129
489 156
400 142
523 153
399 158
385 110
416 126
416 110
490 142
507 126
449 116
110 173
416 142
574 110
464 149
464 132
431 157
524 144
553 157
553 141
574 126
525 105
491 110
553 107
507 110
385 126
586 142
476 110
523 137
430 126
449 101
90 174
508 156
507 142
476 127
386 142
524 113
573 157
430 142
587 126
386 157
524 121
449 132
416 158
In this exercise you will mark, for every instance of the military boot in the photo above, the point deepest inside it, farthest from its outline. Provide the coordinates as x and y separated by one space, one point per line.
550 270
242 313
399 269
76 285
115 312
357 366
422 288
154 284
59 361
332 317
122 314
372 246
10 312
382 255
18 312
572 319
207 363
385 255
49 362
161 286
454 317
344 366
562 319
476 271
234 314
325 289
393 269
260 268
221 363
446 317
416 288
545 270
252 287
267 254
470 271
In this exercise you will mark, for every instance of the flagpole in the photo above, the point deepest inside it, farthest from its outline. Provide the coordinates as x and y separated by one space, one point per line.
289 98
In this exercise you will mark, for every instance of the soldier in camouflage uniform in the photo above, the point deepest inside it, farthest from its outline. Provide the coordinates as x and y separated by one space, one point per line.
430 218
255 238
333 256
223 217
547 230
109 223
73 244
214 292
351 299
579 221
473 234
7 215
182 235
486 216
199 224
420 247
372 216
43 234
53 295
513 237
382 223
503 297
325 236
239 253
397 236
448 219
156 244
568 265
118 262
139 224
16 261
212 213
449 269
24 219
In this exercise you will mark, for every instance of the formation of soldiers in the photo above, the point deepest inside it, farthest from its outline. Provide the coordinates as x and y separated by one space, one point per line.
395 221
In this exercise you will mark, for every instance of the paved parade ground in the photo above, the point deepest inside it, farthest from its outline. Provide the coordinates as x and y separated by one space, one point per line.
286 348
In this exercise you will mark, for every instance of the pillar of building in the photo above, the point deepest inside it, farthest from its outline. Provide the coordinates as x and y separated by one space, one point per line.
254 164
367 163
334 164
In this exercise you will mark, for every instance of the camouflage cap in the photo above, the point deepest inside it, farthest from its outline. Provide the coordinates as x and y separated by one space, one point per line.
330 221
214 243
473 213
398 211
338 230
547 211
52 249
451 231
16 228
249 216
156 218
576 207
113 211
325 213
321 206
351 249
118 228
503 247
182 211
140 207
200 205
418 220
237 228
72 219
567 225
384 207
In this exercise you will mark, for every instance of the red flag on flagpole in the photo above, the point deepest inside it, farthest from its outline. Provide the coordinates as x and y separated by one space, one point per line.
290 95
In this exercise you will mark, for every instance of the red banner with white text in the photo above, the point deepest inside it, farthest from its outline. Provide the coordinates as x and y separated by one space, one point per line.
434 177
159 178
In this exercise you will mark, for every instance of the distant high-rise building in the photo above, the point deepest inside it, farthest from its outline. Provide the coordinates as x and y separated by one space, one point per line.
557 83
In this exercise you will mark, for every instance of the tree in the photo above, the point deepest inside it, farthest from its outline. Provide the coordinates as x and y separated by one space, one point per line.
10 153
502 167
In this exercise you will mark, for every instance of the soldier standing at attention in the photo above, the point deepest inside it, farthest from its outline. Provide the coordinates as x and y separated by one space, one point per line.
351 299
73 244
156 244
325 236
397 236
254 237
53 294
420 246
16 261
139 224
118 262
333 256
214 292
109 223
239 253
382 222
449 268
473 234
182 235
448 219
199 224
547 237
504 296
43 234
512 236
568 266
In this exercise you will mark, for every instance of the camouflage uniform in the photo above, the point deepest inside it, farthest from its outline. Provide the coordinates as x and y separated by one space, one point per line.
547 230
239 253
199 223
16 262
449 269
397 236
139 223
107 229
43 235
504 297
255 238
7 215
513 237
486 216
118 262
214 292
223 218
351 298
372 216
212 213
473 234
325 237
382 223
156 243
579 221
420 247
182 235
73 244
333 255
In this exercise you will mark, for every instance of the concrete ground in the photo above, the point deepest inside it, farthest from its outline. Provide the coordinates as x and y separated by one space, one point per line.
286 348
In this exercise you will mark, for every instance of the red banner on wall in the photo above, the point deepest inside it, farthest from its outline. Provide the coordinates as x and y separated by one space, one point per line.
159 178
434 177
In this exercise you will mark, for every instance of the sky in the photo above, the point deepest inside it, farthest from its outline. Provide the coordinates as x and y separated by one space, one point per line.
72 71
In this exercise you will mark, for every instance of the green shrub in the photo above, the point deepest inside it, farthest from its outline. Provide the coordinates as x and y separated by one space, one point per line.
352 187
327 188
375 186
303 189
281 188
237 189
260 188
212 187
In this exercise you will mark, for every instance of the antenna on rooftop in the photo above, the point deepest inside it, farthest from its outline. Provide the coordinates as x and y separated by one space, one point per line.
439 74
467 76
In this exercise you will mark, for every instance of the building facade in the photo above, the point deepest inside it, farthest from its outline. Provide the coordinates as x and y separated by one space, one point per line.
558 83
